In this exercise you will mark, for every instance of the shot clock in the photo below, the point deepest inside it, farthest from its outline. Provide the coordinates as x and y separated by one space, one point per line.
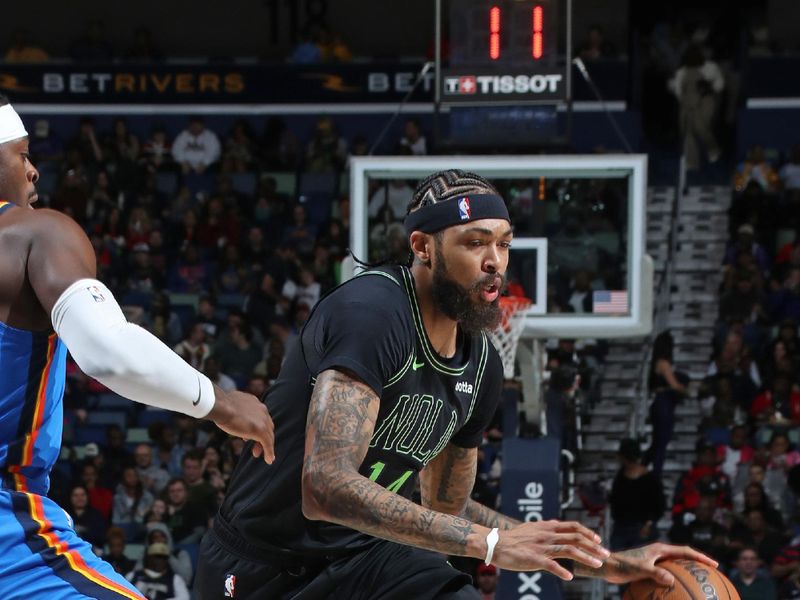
505 52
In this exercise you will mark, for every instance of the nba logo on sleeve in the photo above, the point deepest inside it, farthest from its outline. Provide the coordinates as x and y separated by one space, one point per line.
230 585
96 293
463 209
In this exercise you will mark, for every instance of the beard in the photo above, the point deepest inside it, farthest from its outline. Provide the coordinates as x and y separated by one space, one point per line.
462 304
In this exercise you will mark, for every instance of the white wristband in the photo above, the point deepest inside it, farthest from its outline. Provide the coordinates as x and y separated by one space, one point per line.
491 542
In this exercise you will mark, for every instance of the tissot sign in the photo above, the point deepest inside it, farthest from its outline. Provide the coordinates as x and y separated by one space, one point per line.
470 87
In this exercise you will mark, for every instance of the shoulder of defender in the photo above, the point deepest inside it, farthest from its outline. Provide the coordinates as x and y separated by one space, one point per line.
42 222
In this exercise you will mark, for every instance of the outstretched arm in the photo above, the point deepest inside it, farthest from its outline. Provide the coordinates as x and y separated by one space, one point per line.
341 420
447 481
124 357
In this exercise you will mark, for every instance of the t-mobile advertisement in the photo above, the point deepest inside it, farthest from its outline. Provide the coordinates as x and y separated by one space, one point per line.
530 492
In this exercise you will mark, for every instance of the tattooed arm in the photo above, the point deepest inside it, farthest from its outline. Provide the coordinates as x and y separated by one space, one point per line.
446 484
341 419
640 563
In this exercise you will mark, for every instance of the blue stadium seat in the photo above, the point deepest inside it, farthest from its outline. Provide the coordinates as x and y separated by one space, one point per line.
230 300
148 417
48 182
85 434
113 402
136 298
198 183
244 183
325 183
107 417
319 206
193 550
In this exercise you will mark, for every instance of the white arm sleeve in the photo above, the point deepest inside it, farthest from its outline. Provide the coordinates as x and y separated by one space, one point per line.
123 356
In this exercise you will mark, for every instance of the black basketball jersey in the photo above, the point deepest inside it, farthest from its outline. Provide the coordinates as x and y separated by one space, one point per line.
372 327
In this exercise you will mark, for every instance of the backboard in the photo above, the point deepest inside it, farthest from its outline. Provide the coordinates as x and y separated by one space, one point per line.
578 249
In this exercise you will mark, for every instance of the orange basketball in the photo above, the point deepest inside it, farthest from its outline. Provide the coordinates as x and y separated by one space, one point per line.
693 581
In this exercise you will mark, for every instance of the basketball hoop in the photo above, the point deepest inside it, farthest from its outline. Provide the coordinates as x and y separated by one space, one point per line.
506 336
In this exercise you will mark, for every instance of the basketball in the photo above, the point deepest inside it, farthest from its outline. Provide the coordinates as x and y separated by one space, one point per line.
693 581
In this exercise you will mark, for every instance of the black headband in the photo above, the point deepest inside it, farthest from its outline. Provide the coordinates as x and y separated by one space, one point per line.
455 211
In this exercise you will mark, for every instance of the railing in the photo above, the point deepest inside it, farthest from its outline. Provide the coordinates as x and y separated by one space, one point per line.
660 308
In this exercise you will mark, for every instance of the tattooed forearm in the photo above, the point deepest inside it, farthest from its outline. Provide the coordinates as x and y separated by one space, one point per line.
447 482
618 565
341 420
478 513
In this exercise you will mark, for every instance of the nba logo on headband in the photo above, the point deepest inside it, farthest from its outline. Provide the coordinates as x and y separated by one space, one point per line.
463 209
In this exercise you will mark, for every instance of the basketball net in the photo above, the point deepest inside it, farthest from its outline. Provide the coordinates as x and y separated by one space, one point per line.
506 336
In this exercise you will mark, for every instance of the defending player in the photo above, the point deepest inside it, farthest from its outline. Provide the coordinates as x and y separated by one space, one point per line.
393 378
50 301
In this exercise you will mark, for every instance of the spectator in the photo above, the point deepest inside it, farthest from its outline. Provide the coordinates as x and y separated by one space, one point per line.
156 152
115 556
131 500
779 405
749 580
239 357
745 302
736 454
413 141
88 522
87 144
697 84
279 146
306 51
196 148
217 377
191 273
100 498
304 290
262 303
194 349
23 50
700 531
46 147
756 168
169 452
560 405
158 512
300 234
486 578
790 172
207 317
240 148
331 47
745 242
668 387
156 580
179 559
636 500
186 521
154 478
199 492
784 300
755 498
327 151
703 479
761 536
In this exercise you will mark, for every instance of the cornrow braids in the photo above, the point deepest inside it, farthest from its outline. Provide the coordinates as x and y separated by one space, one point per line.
448 184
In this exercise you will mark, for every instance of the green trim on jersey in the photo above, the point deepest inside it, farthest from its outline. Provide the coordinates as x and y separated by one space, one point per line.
381 273
399 375
479 374
421 333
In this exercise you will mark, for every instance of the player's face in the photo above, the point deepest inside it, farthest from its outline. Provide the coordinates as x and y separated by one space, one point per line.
18 176
468 272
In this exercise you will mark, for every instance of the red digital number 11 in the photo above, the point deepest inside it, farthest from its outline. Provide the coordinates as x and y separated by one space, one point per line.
537 32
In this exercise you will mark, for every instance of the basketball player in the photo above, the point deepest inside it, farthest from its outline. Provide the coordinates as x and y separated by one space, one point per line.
51 302
394 379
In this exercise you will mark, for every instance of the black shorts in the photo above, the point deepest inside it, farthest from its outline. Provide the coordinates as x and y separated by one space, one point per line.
385 571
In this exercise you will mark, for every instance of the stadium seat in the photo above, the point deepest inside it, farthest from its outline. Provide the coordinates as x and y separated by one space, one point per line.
134 551
318 206
85 434
137 435
113 402
244 183
230 300
193 550
135 298
198 183
148 417
286 181
325 183
107 417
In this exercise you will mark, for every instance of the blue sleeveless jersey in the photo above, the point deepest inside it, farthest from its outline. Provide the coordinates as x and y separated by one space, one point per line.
33 367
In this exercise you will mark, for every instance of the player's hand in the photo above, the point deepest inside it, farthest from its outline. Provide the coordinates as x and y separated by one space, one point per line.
640 563
245 416
535 546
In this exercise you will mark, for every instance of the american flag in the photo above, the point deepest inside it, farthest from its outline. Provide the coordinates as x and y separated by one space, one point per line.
606 302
